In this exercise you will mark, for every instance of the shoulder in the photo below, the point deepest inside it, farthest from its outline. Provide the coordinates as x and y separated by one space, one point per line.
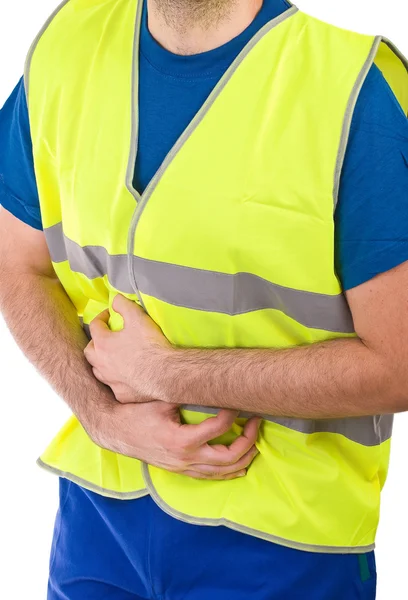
16 100
14 122
18 189
372 212
377 109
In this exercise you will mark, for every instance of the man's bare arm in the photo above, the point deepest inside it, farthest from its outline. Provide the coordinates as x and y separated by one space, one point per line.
337 378
45 325
43 320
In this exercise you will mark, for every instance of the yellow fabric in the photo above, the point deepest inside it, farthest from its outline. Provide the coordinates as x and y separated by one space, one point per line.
250 190
387 61
97 469
305 496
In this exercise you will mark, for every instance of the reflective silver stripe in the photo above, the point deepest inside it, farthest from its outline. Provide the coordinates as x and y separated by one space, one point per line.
240 293
91 261
367 431
242 528
199 289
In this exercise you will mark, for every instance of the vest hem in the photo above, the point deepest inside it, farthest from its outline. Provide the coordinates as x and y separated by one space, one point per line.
246 530
91 486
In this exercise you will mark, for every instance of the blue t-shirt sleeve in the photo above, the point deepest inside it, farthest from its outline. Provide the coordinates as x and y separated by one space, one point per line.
18 187
371 220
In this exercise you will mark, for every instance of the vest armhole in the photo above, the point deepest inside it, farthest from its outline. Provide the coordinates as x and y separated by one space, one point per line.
394 66
27 64
348 116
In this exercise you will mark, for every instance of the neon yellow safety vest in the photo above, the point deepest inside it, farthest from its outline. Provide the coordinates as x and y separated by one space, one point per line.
230 245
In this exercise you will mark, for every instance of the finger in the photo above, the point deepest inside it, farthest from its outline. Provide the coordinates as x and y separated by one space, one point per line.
209 429
99 325
128 309
198 475
90 354
103 316
241 464
247 438
98 375
228 455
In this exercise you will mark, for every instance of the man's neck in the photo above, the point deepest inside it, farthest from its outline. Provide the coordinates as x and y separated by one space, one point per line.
195 26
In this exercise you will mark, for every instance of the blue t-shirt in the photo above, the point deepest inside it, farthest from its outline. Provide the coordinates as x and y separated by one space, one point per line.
371 221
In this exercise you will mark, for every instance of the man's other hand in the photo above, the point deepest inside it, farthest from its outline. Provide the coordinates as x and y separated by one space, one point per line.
153 433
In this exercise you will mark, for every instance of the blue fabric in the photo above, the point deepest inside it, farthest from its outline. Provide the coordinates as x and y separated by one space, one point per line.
371 221
129 550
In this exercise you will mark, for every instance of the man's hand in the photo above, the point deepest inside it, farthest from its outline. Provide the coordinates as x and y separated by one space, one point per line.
128 361
153 433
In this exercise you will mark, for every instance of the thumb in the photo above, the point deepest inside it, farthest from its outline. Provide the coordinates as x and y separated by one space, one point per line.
128 309
99 324
211 428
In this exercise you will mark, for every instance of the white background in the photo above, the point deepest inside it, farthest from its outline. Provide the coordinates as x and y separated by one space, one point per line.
31 413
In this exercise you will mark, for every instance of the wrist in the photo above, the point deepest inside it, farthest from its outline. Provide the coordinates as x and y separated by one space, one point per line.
170 376
94 415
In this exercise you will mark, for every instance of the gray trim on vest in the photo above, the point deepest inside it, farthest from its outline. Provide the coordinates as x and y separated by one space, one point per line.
200 289
85 327
143 199
242 528
134 137
151 490
92 487
352 104
367 431
348 116
33 46
396 51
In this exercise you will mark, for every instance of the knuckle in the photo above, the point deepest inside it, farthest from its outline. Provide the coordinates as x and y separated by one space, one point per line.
233 458
122 398
223 427
101 343
177 467
216 474
184 445
177 459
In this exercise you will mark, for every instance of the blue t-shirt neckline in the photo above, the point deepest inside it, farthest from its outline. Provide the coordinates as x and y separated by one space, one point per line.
371 220
207 64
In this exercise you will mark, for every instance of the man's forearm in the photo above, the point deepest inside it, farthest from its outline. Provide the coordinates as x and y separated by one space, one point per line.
45 325
337 378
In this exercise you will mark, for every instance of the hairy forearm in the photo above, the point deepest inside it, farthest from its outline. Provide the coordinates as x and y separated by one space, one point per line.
45 325
337 378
